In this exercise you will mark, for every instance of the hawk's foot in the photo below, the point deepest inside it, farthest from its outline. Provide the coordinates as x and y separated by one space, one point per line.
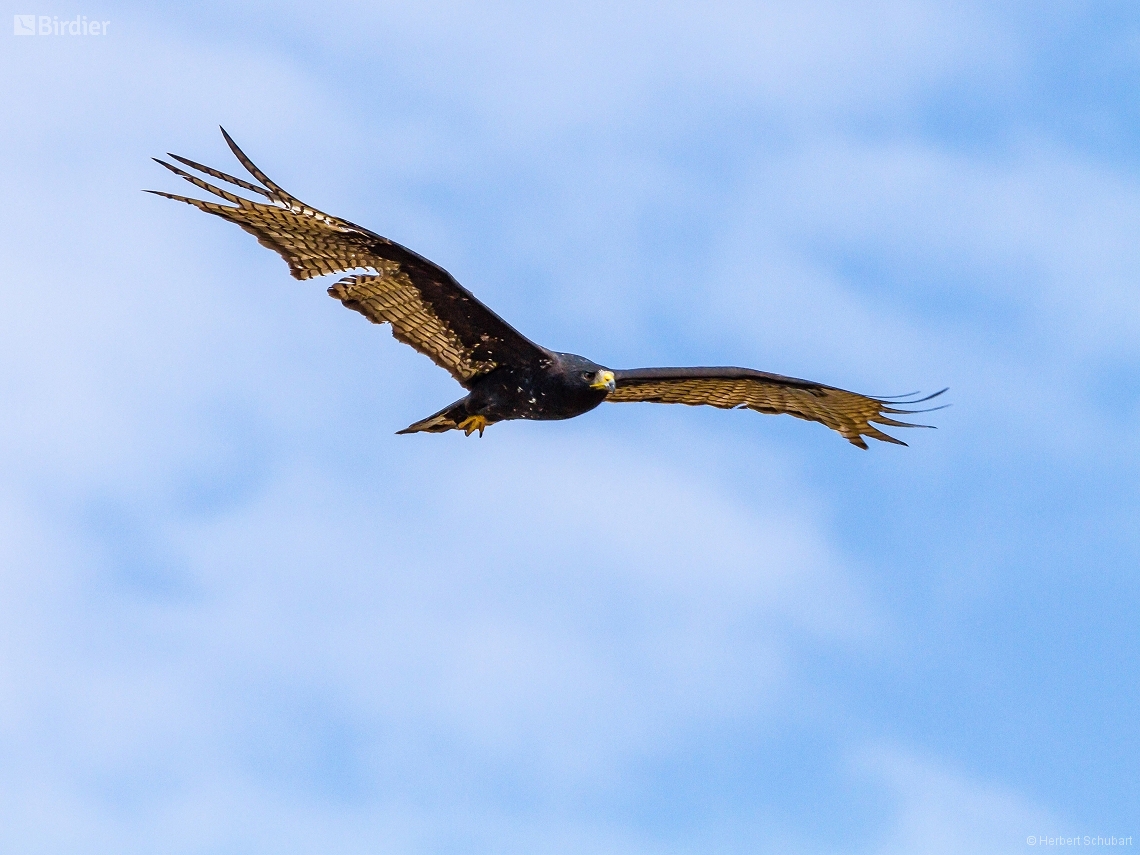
473 423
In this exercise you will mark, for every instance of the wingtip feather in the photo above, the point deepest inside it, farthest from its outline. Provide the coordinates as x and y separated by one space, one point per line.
252 169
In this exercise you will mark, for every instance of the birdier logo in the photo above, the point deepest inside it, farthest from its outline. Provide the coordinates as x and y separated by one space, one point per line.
51 25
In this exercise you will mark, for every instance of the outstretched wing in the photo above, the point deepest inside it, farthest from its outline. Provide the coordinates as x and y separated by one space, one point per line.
851 414
424 304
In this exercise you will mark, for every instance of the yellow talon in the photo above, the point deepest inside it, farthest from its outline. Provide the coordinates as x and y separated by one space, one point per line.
473 423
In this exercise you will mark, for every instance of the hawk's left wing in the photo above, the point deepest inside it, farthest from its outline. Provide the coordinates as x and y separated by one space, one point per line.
849 413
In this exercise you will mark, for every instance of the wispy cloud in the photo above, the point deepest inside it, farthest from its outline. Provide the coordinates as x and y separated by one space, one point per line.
240 614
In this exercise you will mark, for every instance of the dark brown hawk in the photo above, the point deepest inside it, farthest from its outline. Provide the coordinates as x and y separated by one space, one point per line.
507 376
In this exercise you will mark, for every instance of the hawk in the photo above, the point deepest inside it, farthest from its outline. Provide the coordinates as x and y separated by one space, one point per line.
506 375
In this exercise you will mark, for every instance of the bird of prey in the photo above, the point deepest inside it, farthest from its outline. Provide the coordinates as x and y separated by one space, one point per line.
506 375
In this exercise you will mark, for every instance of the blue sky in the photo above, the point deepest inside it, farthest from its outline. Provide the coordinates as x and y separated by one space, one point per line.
240 615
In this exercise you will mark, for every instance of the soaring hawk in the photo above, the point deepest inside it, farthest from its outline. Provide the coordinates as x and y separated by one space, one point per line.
506 375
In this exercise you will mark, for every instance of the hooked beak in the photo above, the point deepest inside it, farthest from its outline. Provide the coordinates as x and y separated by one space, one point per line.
604 380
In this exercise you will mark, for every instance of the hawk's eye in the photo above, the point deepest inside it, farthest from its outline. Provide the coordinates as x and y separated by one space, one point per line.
588 375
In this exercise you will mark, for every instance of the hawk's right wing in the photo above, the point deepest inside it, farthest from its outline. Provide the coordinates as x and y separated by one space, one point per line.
426 307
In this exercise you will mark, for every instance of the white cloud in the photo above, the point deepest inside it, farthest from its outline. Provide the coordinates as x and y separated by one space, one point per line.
554 621
238 612
941 811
